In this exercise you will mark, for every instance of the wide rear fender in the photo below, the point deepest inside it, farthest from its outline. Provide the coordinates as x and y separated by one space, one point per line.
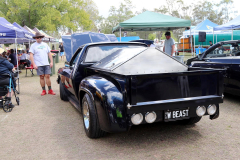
108 100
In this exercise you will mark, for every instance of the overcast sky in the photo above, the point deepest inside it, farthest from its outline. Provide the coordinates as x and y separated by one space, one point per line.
104 5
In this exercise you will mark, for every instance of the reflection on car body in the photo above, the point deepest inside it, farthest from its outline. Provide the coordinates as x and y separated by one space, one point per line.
223 55
117 85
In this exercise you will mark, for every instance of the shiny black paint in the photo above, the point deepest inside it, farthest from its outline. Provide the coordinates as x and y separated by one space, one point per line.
109 102
191 104
112 92
230 64
109 115
185 84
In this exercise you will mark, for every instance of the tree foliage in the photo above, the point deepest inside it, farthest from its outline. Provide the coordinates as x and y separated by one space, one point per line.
48 15
218 13
116 16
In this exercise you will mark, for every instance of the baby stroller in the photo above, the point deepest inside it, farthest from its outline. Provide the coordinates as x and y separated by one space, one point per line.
7 84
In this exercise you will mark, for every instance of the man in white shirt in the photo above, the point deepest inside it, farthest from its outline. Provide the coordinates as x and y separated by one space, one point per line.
169 45
39 53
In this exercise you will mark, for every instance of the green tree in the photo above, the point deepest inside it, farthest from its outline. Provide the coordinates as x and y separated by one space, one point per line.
91 8
152 36
205 10
47 15
116 16
225 8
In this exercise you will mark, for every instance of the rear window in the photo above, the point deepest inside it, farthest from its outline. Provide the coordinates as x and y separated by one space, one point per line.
97 53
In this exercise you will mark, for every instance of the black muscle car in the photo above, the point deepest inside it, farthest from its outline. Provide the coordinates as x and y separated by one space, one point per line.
117 85
222 55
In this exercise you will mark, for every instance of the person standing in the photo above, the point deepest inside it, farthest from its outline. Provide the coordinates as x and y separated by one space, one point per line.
61 51
169 45
210 42
39 53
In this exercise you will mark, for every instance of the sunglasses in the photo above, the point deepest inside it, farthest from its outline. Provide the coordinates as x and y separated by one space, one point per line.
38 37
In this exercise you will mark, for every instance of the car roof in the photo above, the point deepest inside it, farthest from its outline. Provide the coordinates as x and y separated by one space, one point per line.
110 43
210 49
229 42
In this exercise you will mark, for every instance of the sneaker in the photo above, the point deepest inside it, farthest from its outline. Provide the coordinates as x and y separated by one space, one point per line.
43 93
66 86
51 92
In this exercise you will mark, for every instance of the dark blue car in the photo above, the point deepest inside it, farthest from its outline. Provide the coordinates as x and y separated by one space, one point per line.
222 55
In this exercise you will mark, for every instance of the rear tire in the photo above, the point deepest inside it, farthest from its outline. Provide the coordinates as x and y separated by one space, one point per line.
63 94
90 119
190 121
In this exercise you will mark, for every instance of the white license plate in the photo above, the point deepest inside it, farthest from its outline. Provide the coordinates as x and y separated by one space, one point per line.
176 114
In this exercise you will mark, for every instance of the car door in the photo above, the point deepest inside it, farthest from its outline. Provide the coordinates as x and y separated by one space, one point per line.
219 63
234 76
68 72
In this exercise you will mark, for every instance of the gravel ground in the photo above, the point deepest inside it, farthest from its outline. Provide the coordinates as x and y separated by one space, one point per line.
44 127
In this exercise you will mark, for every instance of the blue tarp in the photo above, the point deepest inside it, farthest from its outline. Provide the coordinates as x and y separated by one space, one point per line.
204 26
67 45
26 33
127 39
9 33
73 42
233 24
112 37
148 42
200 50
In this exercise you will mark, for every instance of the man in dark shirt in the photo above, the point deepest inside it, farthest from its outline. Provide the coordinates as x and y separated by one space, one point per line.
61 51
13 58
210 42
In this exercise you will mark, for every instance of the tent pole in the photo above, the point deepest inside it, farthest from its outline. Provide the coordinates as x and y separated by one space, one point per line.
191 41
232 34
216 38
183 46
120 33
213 36
17 65
194 42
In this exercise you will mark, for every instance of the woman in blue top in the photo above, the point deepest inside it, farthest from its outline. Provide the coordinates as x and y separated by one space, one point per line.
5 68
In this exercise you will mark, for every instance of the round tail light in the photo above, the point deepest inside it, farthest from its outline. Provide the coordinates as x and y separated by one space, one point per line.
150 117
212 108
137 118
201 110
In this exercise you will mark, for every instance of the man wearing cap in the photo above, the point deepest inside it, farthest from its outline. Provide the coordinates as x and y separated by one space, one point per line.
39 53
169 45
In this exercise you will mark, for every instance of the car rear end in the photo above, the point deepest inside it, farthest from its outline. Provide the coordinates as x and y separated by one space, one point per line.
160 88
175 96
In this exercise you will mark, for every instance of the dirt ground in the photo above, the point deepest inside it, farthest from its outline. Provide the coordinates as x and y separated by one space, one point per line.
44 127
